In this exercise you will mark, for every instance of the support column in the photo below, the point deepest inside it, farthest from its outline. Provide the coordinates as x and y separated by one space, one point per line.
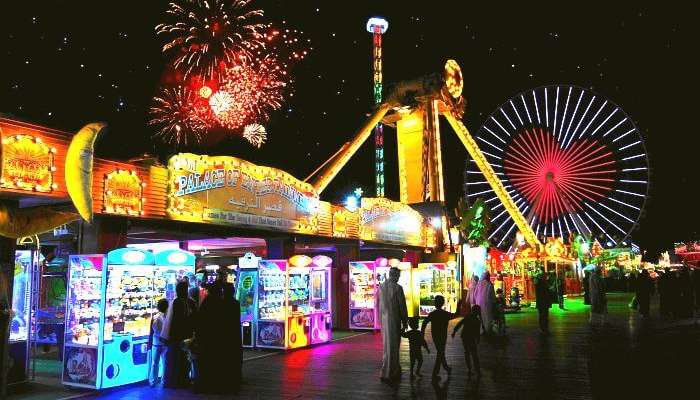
106 233
7 276
341 286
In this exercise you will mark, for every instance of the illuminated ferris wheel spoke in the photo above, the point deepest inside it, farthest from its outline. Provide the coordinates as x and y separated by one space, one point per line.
478 193
606 218
500 126
599 227
526 110
571 121
516 113
633 181
604 121
546 109
593 119
490 144
507 118
503 237
499 227
631 193
623 135
492 155
633 157
491 132
615 212
477 183
630 145
563 116
623 203
615 127
583 117
537 107
556 110
566 223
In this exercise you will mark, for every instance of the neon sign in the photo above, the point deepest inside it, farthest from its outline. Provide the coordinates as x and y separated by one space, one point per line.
123 193
27 164
385 220
231 191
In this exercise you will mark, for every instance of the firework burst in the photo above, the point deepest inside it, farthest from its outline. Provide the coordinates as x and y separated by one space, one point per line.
249 92
179 115
255 134
209 35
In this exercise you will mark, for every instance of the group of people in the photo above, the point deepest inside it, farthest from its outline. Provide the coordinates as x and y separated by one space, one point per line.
395 324
195 335
679 292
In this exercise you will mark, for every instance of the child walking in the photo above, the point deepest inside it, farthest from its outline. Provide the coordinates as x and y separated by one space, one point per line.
156 343
471 334
415 341
440 319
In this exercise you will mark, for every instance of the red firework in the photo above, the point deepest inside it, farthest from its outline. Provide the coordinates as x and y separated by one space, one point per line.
557 180
248 93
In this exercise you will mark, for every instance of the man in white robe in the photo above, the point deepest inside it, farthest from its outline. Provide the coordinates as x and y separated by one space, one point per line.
485 297
599 301
394 317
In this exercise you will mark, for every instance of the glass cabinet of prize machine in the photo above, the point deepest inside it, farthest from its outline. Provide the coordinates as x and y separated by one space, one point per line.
432 279
109 305
362 295
272 304
321 318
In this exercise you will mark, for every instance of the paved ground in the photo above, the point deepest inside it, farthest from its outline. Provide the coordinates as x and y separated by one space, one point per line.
629 358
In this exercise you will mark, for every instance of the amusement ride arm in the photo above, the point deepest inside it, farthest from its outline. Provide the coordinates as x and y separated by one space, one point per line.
325 177
483 164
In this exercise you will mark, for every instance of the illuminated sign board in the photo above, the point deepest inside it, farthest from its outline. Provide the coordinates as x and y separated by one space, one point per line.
27 164
123 193
230 191
385 220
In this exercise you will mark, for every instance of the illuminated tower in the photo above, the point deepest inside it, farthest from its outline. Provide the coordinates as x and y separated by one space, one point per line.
377 26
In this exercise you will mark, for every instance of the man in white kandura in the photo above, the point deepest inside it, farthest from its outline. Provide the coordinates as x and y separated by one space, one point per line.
394 317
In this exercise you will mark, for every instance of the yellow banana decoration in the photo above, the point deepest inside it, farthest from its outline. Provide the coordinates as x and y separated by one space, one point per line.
78 169
20 222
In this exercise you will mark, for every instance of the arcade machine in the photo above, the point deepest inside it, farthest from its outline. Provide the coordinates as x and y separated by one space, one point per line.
294 304
21 314
109 305
363 314
430 280
247 295
382 266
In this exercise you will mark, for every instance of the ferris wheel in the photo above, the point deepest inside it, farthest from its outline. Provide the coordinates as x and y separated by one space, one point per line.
572 161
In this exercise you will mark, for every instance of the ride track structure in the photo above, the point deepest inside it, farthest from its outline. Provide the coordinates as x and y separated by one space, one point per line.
425 93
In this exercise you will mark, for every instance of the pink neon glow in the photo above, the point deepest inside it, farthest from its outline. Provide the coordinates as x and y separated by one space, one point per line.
556 180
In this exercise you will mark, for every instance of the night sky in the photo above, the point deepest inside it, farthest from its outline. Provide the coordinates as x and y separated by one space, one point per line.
66 63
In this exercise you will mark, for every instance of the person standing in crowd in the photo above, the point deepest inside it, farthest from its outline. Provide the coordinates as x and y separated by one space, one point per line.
156 343
644 289
498 282
486 298
471 335
394 316
416 340
439 319
471 293
685 293
599 301
178 328
664 295
209 339
231 330
543 298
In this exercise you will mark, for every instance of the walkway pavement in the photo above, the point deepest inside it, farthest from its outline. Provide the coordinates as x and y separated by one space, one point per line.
629 358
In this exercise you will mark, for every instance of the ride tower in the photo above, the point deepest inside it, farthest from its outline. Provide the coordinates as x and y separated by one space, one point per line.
377 27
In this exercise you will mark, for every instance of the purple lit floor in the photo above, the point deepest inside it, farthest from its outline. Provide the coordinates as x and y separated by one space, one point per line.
627 358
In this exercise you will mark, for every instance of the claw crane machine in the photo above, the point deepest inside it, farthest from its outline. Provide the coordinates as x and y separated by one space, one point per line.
247 295
363 288
109 304
294 302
